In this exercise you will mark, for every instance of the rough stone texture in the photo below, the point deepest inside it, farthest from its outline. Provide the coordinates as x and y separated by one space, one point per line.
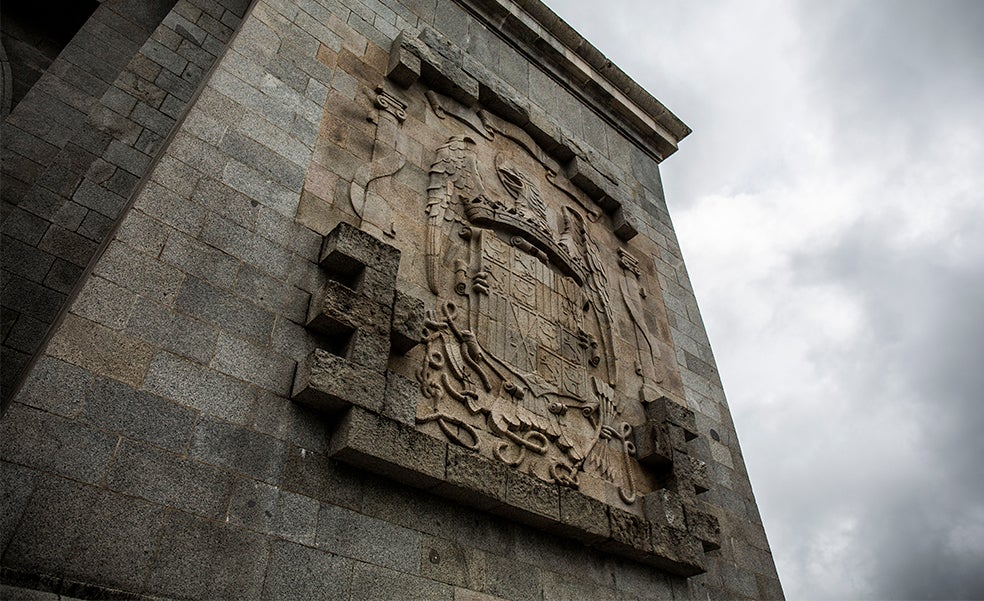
329 383
388 448
78 143
473 479
530 499
408 322
169 479
83 533
204 559
368 539
298 572
194 156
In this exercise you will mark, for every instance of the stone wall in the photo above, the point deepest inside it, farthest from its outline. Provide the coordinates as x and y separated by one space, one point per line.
76 148
154 449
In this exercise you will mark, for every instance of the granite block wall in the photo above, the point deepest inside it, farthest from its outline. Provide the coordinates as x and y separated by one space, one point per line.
153 450
77 146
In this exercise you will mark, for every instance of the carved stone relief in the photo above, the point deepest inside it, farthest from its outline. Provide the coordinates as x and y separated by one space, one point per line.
510 354
520 357
371 210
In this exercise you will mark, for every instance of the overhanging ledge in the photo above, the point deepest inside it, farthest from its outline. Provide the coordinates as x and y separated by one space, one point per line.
548 41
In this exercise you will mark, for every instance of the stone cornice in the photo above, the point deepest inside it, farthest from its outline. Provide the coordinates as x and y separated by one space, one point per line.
548 41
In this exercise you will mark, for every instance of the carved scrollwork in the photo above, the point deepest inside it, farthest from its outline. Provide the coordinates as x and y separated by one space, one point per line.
391 104
453 433
525 350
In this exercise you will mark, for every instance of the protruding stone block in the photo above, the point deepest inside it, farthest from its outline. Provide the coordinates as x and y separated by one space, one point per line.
502 101
664 506
583 518
624 223
530 500
675 551
630 535
665 409
408 322
545 132
583 174
330 383
388 448
705 527
474 479
692 471
441 66
655 443
348 252
338 310
404 64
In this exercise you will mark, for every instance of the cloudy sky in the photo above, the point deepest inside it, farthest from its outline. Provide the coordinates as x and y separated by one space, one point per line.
830 207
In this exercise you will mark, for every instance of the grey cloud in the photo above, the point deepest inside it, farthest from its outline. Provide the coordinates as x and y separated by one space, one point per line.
896 71
925 320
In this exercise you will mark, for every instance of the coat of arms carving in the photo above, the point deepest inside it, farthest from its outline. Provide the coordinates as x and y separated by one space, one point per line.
530 351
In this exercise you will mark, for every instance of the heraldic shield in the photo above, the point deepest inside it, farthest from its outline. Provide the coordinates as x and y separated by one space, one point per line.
519 355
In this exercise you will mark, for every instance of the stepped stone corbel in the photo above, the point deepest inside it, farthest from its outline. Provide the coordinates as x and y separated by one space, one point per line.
361 318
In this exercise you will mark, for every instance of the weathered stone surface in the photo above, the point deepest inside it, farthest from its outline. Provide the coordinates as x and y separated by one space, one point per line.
582 517
56 386
448 561
299 572
17 484
55 444
654 443
338 311
101 350
367 538
664 506
265 508
238 449
625 223
706 527
388 448
347 251
401 399
330 383
404 62
408 322
530 500
510 579
168 479
441 66
692 471
85 533
116 407
316 476
206 559
597 186
675 551
384 584
473 479
665 409
630 535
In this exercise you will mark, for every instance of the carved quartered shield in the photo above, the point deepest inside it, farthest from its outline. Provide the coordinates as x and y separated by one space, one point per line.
520 348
